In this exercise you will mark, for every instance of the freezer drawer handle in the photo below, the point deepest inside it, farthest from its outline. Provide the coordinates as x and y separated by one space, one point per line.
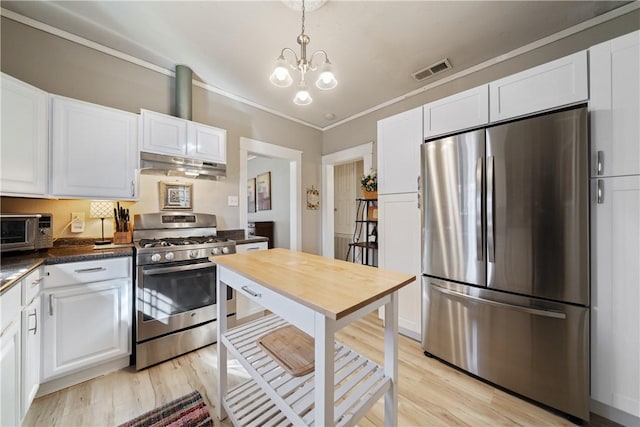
491 249
536 311
600 191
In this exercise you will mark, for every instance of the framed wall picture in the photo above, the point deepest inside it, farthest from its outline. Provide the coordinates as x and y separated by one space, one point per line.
263 191
313 198
176 195
251 195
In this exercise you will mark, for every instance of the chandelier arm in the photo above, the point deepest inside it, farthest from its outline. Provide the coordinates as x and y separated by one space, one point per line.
315 67
286 49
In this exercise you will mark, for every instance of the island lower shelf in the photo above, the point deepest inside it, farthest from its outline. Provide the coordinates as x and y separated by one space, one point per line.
274 397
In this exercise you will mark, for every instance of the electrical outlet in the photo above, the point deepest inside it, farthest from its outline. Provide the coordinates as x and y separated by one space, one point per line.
77 222
232 200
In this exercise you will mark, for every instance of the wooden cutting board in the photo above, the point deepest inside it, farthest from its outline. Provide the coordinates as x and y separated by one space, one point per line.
291 348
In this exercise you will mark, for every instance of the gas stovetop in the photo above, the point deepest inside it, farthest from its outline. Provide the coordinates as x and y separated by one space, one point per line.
172 237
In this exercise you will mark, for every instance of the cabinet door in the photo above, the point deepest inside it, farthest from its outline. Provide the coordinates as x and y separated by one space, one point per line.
551 85
10 375
162 134
245 306
31 324
458 112
95 150
399 250
24 163
615 275
615 106
207 143
85 325
399 139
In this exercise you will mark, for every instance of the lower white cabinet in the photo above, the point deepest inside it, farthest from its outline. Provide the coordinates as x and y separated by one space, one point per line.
399 250
244 306
615 276
31 334
85 323
10 374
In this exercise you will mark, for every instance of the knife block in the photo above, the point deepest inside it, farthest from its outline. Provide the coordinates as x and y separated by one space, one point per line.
122 237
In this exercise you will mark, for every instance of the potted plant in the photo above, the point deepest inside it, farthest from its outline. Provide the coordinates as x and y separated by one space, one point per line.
369 185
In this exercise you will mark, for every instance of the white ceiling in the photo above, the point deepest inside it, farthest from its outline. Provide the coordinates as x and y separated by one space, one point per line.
374 45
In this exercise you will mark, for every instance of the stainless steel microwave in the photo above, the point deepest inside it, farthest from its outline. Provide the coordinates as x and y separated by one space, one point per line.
26 232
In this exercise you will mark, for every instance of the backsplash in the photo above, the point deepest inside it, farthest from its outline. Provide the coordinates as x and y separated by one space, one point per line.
208 197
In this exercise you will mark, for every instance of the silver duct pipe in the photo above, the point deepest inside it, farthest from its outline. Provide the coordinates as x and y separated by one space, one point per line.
183 91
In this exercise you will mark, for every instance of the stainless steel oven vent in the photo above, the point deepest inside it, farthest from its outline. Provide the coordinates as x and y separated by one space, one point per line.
432 70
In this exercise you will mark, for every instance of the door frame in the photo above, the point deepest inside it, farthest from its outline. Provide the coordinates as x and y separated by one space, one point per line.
261 148
362 152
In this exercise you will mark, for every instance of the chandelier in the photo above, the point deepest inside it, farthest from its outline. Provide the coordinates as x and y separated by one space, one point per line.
281 77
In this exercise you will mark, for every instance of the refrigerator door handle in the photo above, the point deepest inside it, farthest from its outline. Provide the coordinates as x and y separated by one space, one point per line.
491 253
600 192
479 209
536 311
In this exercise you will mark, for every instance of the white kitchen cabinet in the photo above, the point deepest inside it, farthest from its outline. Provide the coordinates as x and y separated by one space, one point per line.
24 164
94 150
615 275
244 306
551 85
399 139
614 106
174 136
399 250
31 335
464 110
86 322
10 374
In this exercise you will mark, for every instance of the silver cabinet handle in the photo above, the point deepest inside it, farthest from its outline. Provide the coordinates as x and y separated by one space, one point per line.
133 188
600 162
479 209
50 304
251 292
418 182
90 270
37 281
255 248
537 311
600 191
491 254
35 327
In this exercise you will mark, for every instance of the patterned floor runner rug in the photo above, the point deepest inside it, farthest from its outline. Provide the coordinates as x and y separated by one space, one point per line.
186 411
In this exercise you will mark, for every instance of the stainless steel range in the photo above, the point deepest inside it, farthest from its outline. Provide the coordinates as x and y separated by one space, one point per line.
176 284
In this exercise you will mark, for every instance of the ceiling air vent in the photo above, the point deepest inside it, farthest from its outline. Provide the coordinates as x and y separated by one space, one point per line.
431 70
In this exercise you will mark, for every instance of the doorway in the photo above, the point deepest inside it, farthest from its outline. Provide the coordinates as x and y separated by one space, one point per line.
362 152
294 157
346 190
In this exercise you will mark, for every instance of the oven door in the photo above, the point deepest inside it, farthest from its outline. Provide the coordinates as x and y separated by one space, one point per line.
175 296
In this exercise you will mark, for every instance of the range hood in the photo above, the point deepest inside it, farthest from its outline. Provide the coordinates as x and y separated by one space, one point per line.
160 164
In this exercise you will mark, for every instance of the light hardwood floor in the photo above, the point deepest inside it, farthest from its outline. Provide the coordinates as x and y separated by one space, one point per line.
430 392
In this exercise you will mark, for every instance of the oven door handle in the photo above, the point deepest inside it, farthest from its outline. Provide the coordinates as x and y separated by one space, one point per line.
198 266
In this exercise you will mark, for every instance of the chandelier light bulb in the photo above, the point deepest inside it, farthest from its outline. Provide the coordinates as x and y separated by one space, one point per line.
280 76
302 96
326 80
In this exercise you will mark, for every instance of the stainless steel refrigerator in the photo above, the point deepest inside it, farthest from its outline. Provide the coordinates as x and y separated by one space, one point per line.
505 256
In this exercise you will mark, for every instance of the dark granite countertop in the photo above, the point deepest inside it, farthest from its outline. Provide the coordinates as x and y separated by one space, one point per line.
251 239
14 267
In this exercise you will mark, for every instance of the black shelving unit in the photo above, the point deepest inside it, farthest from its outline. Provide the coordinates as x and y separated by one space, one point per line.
364 245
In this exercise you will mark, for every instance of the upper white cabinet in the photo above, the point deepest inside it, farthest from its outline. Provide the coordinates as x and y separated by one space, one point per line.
94 150
458 112
615 284
551 85
174 136
615 106
24 163
399 250
399 139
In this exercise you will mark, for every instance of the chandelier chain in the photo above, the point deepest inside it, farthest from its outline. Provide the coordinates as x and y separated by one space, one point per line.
302 16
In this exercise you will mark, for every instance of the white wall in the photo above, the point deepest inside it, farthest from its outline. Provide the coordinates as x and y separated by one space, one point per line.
280 198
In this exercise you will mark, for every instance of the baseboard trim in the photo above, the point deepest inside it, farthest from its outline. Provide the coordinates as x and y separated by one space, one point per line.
614 414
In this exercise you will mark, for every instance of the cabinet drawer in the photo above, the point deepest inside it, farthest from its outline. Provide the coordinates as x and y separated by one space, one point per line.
31 286
250 247
87 271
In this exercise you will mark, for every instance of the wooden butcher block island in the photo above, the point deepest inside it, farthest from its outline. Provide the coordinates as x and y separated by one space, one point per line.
318 296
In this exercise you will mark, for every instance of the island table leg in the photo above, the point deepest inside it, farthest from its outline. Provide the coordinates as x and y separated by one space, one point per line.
221 288
324 375
391 360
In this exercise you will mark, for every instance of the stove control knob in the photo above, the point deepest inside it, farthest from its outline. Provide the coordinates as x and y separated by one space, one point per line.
169 256
225 250
215 251
155 257
193 253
